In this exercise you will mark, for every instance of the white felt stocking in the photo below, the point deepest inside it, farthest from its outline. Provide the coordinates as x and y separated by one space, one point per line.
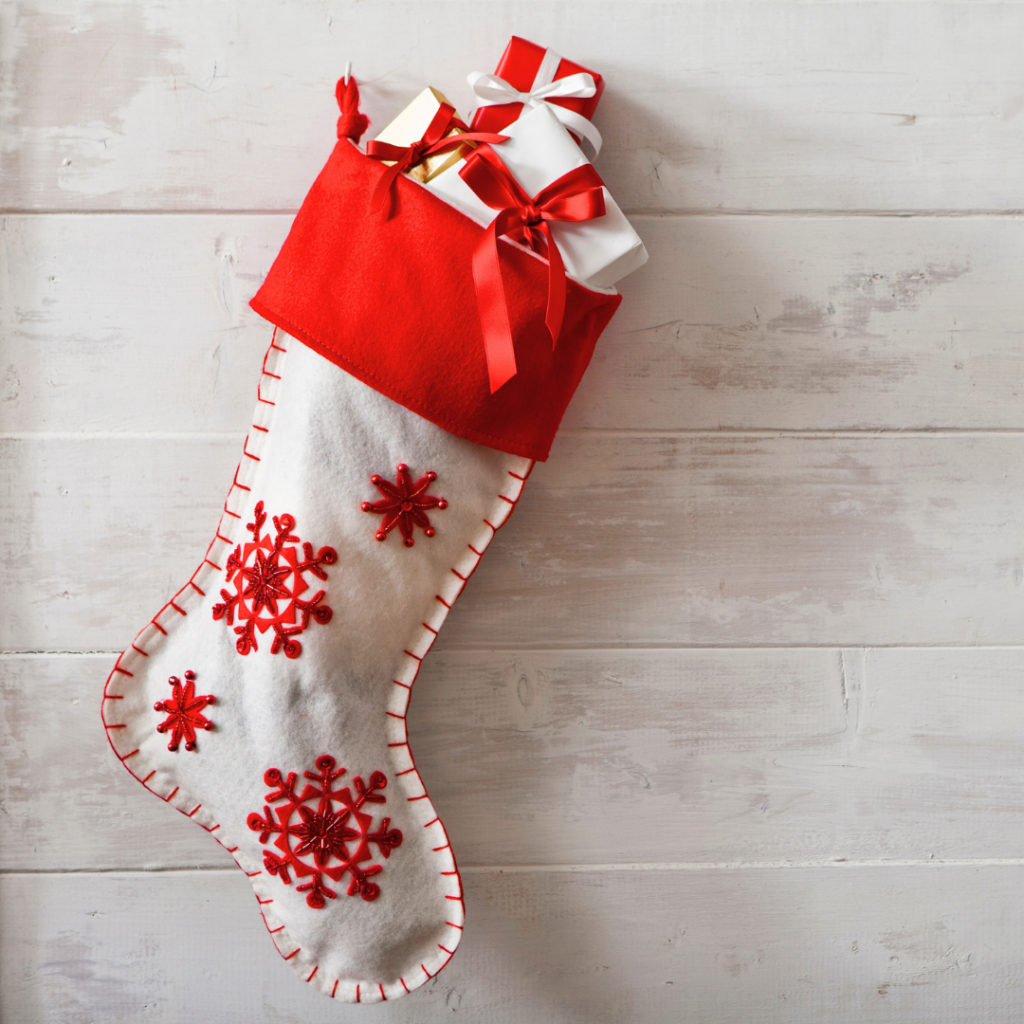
267 699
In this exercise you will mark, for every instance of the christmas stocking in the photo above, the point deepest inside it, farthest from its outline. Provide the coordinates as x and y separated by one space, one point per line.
267 699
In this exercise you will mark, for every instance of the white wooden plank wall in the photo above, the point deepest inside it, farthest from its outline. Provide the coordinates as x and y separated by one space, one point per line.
736 696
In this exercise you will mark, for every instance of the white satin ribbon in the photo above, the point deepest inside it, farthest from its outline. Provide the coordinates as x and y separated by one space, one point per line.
491 90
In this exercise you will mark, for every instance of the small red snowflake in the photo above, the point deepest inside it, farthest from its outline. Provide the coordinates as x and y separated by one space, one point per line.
322 831
183 712
269 581
404 504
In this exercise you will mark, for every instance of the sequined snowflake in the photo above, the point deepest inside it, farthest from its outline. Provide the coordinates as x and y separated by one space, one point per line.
323 832
269 578
184 712
404 504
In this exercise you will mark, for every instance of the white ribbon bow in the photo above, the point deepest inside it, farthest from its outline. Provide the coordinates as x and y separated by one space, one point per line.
491 90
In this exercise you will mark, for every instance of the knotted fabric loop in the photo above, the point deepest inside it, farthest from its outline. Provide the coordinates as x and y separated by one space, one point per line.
352 122
574 197
490 90
435 139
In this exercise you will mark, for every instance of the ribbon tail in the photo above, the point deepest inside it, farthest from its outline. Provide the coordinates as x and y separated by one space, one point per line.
383 186
579 124
556 288
490 295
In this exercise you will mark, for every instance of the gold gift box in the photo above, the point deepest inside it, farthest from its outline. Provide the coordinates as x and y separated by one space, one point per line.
409 127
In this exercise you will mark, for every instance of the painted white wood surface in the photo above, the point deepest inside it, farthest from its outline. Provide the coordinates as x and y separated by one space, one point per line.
727 726
760 106
812 323
899 945
806 755
622 539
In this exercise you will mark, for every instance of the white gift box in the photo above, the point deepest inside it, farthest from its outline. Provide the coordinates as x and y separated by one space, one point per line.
539 150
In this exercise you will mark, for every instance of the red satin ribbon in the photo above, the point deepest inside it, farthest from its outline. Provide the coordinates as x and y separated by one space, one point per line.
574 197
433 141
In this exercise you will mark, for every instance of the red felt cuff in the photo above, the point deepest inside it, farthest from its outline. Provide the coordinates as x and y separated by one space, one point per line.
390 299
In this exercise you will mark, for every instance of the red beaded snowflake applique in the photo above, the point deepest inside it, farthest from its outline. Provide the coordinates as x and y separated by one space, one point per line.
323 831
404 504
184 712
269 578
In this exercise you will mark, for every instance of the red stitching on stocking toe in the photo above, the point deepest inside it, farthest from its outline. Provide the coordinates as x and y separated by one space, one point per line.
335 989
312 972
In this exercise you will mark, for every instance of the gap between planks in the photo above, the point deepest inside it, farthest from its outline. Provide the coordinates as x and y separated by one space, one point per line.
807 433
640 213
12 655
588 869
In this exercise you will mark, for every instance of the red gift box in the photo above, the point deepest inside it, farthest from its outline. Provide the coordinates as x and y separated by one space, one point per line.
519 67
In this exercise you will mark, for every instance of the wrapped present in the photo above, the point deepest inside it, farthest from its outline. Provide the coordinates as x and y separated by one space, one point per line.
527 76
411 125
538 151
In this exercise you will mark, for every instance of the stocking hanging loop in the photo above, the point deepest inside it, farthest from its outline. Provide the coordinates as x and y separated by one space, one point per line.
352 123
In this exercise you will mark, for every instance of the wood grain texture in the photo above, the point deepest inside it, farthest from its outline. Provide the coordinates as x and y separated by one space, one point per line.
763 106
742 540
696 644
736 322
849 945
716 757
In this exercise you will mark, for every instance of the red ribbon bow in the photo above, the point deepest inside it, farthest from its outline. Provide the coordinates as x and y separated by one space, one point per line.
574 197
433 141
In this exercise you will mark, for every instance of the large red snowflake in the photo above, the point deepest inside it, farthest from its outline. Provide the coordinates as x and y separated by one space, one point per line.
323 831
184 712
269 583
404 504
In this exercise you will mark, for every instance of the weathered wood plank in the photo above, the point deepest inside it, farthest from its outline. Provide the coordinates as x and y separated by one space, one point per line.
140 323
708 755
927 945
709 106
745 540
